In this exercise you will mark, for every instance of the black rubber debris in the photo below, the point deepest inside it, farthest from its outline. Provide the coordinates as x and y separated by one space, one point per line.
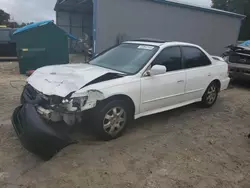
30 96
36 135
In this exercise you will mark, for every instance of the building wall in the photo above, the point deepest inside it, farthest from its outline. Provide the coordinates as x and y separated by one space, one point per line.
130 19
77 24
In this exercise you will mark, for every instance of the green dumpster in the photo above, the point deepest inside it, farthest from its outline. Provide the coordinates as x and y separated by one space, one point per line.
41 44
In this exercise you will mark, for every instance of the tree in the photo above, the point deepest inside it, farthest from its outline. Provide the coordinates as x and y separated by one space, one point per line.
4 17
13 24
240 7
22 24
5 20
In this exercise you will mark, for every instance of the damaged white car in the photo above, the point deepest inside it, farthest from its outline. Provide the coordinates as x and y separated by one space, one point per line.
129 81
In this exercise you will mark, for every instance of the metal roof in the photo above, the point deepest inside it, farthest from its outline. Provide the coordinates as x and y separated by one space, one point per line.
201 8
77 4
74 5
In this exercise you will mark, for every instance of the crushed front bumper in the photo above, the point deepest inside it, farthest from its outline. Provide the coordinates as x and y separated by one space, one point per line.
36 135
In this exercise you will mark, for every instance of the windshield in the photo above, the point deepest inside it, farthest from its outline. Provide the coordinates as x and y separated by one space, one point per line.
126 58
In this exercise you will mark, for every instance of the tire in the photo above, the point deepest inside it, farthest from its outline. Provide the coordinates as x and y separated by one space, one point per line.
211 95
22 100
111 119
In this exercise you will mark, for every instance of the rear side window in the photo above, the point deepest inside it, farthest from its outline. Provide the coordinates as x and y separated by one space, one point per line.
194 57
170 58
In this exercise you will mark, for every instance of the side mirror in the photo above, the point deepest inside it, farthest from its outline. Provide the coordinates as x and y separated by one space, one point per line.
157 70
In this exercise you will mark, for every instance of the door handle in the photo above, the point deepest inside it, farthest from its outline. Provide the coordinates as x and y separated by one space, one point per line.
209 74
180 81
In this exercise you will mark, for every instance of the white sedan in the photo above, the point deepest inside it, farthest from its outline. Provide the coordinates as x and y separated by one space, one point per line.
132 80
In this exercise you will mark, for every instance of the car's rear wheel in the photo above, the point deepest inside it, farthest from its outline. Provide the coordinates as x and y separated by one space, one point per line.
111 119
211 95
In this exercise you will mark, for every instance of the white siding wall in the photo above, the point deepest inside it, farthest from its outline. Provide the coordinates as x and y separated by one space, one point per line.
146 18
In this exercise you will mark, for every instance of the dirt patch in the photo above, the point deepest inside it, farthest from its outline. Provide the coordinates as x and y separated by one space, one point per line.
11 67
186 147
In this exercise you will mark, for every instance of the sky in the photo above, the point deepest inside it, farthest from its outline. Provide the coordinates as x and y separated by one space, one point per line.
39 10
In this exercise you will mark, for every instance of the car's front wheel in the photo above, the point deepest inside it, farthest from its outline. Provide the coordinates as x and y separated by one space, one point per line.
111 119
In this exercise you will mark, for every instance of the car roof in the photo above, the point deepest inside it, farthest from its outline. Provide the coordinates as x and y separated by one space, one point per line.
160 43
145 43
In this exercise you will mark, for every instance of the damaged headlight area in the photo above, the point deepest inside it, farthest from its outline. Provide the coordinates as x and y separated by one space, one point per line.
56 109
79 102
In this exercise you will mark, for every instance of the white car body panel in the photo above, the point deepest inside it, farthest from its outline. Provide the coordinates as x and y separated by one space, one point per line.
158 110
150 94
197 80
162 90
128 86
61 80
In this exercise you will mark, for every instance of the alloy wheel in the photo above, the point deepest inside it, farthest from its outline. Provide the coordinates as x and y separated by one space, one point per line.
211 94
114 120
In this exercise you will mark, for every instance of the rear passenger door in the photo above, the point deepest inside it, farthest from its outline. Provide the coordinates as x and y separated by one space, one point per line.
198 72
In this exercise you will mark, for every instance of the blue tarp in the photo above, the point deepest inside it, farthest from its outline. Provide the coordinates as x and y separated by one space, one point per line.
246 43
39 24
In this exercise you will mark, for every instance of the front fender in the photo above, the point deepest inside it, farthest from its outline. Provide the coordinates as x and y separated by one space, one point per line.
127 86
93 96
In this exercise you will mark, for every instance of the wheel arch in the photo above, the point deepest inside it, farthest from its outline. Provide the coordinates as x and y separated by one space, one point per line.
218 83
123 98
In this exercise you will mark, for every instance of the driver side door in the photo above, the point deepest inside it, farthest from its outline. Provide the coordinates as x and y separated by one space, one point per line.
158 92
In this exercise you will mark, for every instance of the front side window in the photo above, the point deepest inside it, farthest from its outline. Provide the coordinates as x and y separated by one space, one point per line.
126 58
194 57
170 58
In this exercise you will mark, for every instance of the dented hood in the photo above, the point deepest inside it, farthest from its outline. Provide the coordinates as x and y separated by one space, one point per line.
61 80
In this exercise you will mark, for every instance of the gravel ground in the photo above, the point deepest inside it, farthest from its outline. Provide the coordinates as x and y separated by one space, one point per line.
188 147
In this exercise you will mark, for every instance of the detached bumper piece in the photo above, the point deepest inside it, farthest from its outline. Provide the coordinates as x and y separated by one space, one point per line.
30 96
35 135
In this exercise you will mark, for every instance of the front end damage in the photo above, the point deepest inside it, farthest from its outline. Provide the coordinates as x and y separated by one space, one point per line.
56 98
34 121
